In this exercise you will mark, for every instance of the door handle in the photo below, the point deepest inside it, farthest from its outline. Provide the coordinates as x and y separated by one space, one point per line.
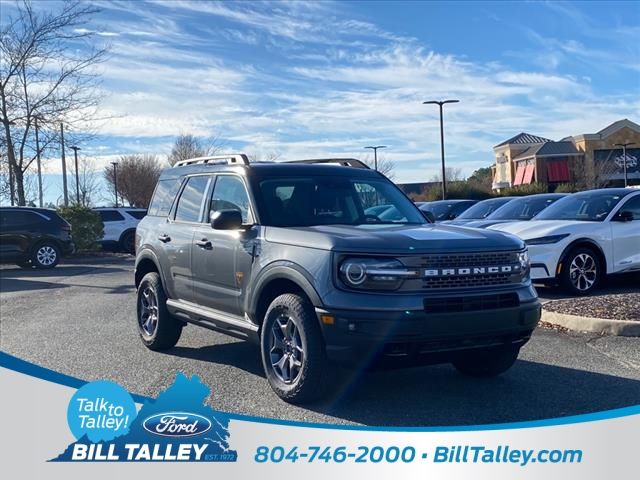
204 243
164 238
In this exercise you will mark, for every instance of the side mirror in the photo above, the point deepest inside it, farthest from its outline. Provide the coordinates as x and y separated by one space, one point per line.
429 216
624 216
226 220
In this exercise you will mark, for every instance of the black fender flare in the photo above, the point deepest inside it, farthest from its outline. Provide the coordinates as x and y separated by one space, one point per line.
282 270
151 256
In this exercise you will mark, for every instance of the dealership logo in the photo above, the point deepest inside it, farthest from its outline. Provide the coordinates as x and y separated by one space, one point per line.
176 424
448 272
632 162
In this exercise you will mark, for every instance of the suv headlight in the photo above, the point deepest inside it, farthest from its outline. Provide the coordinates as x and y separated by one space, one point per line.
546 240
374 273
523 258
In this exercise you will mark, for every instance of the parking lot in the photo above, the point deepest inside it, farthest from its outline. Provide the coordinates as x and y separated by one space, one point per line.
79 319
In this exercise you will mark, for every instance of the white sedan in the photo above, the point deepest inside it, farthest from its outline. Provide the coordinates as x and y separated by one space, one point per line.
582 237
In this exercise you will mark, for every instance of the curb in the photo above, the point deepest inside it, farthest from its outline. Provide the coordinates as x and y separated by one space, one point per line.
602 326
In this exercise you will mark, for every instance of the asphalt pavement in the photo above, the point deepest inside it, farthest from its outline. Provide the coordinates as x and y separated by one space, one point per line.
79 319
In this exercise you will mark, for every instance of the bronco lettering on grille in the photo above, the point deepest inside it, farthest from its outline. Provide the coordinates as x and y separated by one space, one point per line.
445 272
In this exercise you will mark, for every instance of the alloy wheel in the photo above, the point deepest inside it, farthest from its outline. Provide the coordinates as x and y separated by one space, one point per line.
583 272
286 352
46 255
148 318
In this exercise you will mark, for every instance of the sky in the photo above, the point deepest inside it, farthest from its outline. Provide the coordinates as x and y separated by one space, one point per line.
317 79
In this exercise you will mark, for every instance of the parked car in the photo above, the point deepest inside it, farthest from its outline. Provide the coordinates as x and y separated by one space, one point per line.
120 226
33 237
518 210
582 237
284 254
479 211
377 209
446 209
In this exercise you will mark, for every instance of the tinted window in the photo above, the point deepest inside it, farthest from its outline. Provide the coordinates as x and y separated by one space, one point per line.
633 206
588 206
322 200
139 214
229 193
522 208
17 217
483 209
110 216
188 209
163 196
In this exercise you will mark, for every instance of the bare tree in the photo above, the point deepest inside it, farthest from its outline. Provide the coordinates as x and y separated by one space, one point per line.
452 174
137 177
45 74
188 146
272 156
385 166
89 182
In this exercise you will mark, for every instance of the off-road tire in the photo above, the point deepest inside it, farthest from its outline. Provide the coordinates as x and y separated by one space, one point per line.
168 329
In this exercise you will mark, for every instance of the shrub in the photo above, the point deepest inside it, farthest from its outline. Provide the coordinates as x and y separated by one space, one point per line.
522 190
455 190
568 188
86 226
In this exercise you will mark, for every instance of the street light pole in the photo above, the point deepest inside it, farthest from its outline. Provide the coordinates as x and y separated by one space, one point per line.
38 161
624 159
440 103
115 180
64 168
375 155
75 154
9 123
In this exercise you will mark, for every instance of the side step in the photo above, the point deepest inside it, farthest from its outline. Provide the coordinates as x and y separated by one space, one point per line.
222 322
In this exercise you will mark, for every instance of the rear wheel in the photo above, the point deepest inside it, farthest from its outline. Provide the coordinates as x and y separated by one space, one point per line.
45 255
293 352
581 271
158 329
487 362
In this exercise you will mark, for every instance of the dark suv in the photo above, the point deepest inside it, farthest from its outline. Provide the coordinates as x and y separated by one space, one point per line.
33 237
286 255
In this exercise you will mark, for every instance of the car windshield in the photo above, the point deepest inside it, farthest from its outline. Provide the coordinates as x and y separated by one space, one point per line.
524 208
440 210
483 209
301 201
587 206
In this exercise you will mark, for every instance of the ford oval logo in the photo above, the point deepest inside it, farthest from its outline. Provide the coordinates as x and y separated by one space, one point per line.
176 424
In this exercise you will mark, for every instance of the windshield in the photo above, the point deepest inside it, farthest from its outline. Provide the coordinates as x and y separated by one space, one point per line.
588 206
524 208
483 209
303 201
440 210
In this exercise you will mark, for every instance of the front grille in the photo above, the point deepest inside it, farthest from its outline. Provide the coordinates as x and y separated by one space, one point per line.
470 304
468 261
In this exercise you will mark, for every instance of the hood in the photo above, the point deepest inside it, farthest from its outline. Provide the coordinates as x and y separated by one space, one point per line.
397 239
486 223
460 221
544 228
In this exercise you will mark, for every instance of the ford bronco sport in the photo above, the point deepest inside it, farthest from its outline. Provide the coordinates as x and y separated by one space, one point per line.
284 254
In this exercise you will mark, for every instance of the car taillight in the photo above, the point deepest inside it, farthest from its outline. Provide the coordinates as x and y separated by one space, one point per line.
66 227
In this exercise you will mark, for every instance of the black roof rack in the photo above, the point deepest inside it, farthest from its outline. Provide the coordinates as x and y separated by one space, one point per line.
229 159
346 162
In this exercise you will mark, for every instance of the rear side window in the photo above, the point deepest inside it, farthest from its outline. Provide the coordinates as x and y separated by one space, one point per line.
163 196
9 218
632 206
110 216
190 202
139 214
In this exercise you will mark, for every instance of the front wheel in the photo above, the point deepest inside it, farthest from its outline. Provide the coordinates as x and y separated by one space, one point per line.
487 362
293 352
581 271
158 329
128 242
45 255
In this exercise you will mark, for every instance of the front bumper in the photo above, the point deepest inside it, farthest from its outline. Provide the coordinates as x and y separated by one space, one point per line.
362 337
544 260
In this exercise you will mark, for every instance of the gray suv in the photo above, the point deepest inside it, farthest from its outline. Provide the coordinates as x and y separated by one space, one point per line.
286 255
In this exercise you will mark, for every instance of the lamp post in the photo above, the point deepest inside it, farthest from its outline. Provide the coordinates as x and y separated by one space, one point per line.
624 159
375 155
38 161
64 168
115 180
9 123
440 103
75 154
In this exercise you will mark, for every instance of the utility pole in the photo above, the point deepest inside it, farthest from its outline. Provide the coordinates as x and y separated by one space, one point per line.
624 161
64 168
375 155
36 118
75 154
440 103
115 180
11 189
